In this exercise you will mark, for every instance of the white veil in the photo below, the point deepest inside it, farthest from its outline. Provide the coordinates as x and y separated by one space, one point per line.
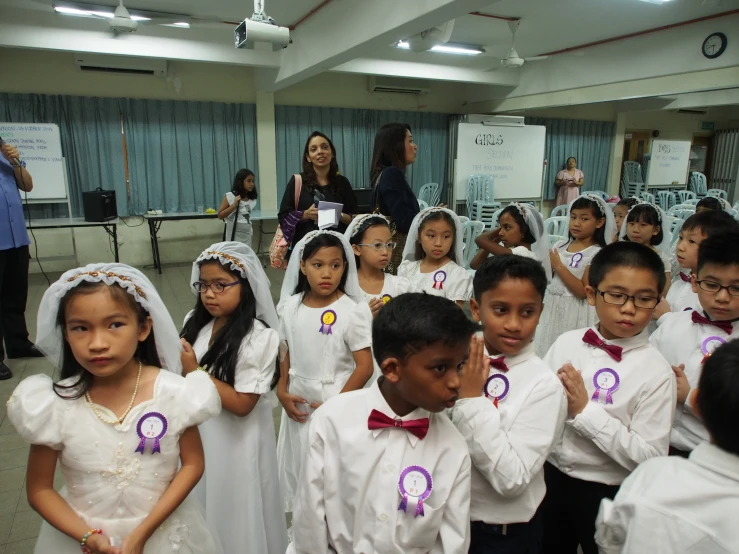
242 260
541 246
664 223
357 222
293 267
610 226
49 337
409 252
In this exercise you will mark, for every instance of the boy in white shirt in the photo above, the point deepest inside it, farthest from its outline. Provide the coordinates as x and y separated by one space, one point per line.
620 396
677 505
687 338
510 412
386 472
696 229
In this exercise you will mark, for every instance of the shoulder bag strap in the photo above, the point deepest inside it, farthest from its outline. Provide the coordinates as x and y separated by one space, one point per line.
298 188
376 194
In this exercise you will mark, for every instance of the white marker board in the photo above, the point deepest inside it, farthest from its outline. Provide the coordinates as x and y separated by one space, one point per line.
669 161
514 156
40 147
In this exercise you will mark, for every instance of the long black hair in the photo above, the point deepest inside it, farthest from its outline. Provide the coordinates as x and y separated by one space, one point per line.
322 240
222 356
309 173
389 149
438 215
369 222
646 213
528 236
238 187
146 351
585 203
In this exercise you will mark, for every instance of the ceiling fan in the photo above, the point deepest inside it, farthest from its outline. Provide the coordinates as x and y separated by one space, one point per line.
121 20
513 60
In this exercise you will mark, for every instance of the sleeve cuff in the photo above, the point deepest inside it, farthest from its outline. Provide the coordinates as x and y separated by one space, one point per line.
590 421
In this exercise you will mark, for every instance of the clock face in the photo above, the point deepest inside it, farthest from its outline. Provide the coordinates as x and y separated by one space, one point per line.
714 45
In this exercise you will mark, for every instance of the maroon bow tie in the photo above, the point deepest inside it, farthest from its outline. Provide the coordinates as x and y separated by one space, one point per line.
685 277
590 337
499 363
418 427
725 326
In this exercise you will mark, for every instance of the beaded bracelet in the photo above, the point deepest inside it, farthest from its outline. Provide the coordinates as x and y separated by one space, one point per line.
83 542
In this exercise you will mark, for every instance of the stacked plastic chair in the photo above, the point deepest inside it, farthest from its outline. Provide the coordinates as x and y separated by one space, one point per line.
683 195
647 197
632 182
665 199
481 205
697 184
472 230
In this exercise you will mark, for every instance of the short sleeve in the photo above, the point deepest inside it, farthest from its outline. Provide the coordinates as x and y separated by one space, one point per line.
33 411
358 334
460 286
405 269
256 365
524 252
402 285
198 399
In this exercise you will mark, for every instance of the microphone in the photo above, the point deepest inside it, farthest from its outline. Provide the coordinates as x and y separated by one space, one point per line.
17 161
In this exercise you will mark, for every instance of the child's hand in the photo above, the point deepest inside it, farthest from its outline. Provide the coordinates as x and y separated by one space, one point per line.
188 358
554 259
683 387
100 544
662 308
375 304
577 394
290 404
693 398
316 405
476 370
133 544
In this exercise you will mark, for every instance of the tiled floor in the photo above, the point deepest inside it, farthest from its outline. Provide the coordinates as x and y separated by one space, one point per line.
19 524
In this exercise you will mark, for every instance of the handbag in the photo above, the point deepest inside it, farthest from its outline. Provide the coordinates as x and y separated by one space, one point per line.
279 247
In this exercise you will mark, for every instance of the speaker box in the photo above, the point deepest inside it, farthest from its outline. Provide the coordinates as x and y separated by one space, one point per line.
99 205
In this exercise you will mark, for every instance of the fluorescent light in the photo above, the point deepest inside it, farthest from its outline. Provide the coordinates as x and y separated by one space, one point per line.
107 15
446 49
72 11
140 18
178 25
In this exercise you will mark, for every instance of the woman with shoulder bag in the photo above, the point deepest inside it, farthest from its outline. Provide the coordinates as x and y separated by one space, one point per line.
321 181
393 197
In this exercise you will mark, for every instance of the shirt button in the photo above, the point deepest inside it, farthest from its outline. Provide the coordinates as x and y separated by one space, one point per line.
383 517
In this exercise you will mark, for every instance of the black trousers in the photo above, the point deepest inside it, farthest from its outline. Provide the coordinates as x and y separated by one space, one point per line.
520 538
13 297
570 509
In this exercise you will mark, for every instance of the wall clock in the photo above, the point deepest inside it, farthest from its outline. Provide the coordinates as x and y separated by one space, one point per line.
714 45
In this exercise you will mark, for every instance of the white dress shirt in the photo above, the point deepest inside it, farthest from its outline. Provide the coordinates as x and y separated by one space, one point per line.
509 444
680 297
680 341
347 499
606 441
675 505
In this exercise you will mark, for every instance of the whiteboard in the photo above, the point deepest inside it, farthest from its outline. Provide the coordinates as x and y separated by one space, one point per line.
514 156
669 162
40 147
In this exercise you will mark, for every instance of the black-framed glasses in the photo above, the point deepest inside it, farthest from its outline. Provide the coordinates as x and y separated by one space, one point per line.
216 287
620 298
379 246
714 287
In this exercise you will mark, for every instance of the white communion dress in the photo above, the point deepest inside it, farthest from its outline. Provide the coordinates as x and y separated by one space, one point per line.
109 482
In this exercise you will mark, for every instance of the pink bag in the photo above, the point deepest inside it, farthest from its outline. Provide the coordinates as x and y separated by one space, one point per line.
279 247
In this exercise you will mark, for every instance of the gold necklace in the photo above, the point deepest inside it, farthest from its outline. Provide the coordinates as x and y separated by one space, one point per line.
119 420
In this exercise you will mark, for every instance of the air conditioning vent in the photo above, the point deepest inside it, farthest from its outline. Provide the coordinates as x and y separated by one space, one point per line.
398 86
121 64
693 112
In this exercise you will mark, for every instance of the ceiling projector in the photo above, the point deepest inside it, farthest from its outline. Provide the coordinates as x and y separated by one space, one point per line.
261 28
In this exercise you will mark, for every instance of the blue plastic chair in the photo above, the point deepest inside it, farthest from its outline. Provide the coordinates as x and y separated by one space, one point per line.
647 197
697 184
563 210
430 193
665 199
684 195
718 193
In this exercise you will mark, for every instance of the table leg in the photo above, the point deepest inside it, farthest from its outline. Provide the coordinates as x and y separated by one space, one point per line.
115 241
151 238
158 261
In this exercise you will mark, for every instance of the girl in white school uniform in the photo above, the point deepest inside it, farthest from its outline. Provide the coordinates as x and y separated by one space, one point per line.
123 431
592 226
237 206
233 332
373 246
327 327
431 253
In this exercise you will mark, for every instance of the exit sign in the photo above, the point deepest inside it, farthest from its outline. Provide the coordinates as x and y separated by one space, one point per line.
708 125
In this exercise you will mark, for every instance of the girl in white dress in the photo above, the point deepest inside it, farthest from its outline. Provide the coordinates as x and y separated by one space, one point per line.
237 207
431 253
521 232
233 332
373 246
327 327
566 308
123 431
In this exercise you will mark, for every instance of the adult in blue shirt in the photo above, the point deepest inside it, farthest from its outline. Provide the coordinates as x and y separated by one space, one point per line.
14 258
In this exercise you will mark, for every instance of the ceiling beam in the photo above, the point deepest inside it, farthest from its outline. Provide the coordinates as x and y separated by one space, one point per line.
347 29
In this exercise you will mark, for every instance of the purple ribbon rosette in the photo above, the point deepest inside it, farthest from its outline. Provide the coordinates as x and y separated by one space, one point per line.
328 318
439 278
576 259
415 482
497 387
151 427
606 381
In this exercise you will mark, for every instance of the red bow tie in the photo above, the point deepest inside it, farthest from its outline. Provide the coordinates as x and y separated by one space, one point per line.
418 427
685 277
590 337
725 326
499 363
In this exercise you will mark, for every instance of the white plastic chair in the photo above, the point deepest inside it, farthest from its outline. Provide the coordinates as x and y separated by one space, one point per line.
430 193
554 239
472 230
647 196
604 195
563 210
676 226
558 225
485 212
697 184
691 202
683 195
464 219
718 193
665 199
681 213
479 187
422 204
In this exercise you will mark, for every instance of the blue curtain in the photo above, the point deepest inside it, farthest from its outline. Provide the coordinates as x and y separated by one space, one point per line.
588 141
353 133
182 156
90 131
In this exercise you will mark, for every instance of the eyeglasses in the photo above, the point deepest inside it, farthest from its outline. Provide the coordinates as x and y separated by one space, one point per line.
380 246
217 288
712 286
619 299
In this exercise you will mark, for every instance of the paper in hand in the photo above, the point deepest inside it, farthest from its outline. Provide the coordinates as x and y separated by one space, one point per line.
329 214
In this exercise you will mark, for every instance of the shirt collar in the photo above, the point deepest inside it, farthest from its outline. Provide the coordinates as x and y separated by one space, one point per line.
526 353
378 402
630 343
717 460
